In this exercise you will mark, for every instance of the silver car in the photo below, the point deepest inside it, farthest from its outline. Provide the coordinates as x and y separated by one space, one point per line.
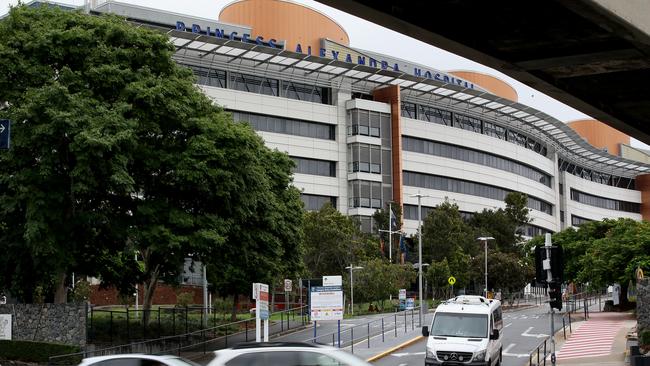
136 360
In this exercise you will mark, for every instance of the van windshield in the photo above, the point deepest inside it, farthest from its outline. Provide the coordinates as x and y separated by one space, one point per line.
459 325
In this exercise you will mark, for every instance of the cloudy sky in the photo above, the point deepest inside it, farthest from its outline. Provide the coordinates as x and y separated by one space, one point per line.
370 36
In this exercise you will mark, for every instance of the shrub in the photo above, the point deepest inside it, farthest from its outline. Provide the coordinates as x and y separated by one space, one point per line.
644 338
35 351
81 292
184 299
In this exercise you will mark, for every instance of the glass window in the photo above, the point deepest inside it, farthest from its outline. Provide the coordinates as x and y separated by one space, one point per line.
314 166
208 76
286 126
460 325
253 84
315 202
606 203
408 110
305 92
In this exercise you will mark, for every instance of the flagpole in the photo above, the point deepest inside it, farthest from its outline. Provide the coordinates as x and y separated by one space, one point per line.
390 234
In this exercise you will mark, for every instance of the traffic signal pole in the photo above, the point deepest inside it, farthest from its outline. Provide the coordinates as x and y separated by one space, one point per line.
549 281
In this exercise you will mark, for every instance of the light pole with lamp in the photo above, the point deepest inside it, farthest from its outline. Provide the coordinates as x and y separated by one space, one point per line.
485 239
351 268
419 196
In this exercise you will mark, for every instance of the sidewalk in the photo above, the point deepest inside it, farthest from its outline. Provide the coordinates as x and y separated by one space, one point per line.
601 340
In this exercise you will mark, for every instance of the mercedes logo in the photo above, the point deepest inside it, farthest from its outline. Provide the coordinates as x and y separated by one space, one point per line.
453 356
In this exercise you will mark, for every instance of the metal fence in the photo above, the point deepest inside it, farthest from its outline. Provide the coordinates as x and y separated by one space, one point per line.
197 342
359 334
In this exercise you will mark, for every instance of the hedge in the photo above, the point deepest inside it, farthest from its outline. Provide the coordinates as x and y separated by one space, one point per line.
33 351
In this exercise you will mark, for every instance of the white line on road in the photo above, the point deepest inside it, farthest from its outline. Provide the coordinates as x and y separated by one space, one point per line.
507 354
526 334
505 326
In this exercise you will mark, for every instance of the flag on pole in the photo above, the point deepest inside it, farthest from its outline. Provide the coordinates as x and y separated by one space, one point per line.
402 244
393 220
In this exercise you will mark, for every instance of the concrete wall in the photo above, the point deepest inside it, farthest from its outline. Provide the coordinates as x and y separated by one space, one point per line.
55 323
643 304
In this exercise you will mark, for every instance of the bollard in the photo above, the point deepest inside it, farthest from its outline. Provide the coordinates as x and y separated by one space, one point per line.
368 335
564 327
281 322
405 322
352 339
412 320
382 330
333 343
545 352
395 325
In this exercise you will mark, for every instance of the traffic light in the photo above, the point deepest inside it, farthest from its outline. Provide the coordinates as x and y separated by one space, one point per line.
555 295
557 264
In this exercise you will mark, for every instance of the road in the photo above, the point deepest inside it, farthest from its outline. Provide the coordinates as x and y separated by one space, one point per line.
523 331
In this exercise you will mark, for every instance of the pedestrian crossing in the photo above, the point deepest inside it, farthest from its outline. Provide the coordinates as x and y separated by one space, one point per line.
592 338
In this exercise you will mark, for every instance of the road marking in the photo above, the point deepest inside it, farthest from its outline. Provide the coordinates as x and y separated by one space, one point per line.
393 349
508 354
408 354
526 334
591 339
507 325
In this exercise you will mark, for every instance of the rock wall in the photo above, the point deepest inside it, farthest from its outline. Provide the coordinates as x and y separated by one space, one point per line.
56 323
643 304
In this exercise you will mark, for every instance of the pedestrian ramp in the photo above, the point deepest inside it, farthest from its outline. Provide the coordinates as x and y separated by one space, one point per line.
593 338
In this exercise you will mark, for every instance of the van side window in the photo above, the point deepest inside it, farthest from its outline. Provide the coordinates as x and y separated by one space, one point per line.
498 318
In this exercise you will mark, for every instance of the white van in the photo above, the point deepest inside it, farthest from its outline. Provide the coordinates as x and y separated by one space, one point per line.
465 330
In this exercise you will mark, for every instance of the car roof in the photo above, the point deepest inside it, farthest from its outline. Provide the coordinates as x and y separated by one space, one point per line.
274 344
127 355
469 304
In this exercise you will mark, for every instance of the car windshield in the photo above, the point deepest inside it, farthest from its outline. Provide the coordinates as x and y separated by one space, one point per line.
459 325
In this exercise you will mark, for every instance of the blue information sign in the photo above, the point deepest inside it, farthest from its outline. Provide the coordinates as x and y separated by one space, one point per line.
5 133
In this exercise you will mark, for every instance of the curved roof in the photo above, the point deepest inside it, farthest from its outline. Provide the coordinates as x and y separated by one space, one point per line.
553 131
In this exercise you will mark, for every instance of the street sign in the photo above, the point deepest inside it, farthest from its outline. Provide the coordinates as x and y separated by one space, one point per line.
451 280
263 301
410 303
5 133
256 290
402 294
332 281
288 284
5 326
326 303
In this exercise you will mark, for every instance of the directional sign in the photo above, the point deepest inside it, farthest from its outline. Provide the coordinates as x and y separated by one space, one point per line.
402 294
451 280
326 303
5 133
263 301
287 285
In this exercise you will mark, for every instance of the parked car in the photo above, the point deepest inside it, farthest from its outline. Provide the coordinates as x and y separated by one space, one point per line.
136 360
284 354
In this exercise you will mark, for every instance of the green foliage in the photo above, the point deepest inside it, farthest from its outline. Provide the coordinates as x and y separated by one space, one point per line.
81 292
644 338
507 272
332 241
443 231
438 273
116 150
28 351
184 299
379 279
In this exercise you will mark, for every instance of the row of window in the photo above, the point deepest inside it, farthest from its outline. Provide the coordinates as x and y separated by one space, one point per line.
594 176
440 183
261 85
474 156
602 202
314 202
325 168
368 194
369 123
447 118
577 220
410 212
261 122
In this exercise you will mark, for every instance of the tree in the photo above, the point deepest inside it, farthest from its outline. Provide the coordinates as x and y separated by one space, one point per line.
506 271
444 231
117 151
379 279
437 276
332 241
497 224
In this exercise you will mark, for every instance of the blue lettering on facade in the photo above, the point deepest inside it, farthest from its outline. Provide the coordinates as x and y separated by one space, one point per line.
384 65
372 62
446 79
322 52
196 28
245 38
437 77
309 50
219 33
335 55
348 58
361 60
259 40
272 43
428 74
180 26
417 72
232 35
396 67
298 48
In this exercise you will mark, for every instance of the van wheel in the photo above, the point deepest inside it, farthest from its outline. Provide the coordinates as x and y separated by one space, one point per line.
500 357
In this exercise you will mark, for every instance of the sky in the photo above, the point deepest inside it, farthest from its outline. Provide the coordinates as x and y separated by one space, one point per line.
372 37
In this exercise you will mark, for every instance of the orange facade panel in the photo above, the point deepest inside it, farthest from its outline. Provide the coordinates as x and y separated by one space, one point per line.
600 135
490 83
391 95
285 21
642 183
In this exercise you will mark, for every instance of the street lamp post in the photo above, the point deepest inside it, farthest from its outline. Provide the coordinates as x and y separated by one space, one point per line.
484 239
419 196
351 268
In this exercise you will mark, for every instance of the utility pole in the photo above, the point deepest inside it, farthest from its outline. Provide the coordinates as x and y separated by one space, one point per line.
549 280
390 233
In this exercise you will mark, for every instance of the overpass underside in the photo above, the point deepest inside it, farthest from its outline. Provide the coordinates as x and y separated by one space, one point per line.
575 51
